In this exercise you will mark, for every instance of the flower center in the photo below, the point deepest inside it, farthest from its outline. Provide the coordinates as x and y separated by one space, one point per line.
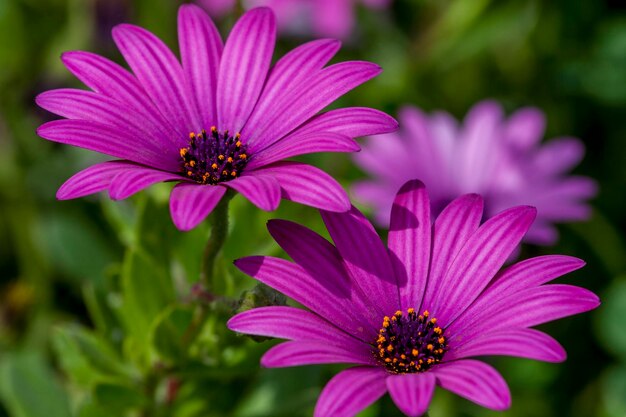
410 343
213 158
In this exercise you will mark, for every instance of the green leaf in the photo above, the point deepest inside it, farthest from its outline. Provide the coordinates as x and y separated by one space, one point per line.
117 398
171 335
609 324
28 387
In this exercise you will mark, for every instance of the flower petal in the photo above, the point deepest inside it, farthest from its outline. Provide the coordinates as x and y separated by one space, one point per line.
313 353
293 324
91 180
523 343
161 76
524 128
293 281
350 121
244 66
291 70
308 98
559 155
475 381
200 49
409 242
294 145
365 258
308 185
351 391
478 261
456 223
262 190
114 141
191 203
135 179
412 392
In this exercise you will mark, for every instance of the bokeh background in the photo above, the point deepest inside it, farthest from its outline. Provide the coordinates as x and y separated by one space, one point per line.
95 296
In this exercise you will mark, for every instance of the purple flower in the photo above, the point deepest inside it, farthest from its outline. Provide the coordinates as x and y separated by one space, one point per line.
412 314
501 159
223 119
334 18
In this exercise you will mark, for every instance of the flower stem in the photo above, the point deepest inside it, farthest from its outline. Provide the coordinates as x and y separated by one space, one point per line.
219 232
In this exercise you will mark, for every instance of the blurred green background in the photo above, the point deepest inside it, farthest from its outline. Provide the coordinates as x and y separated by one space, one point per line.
95 296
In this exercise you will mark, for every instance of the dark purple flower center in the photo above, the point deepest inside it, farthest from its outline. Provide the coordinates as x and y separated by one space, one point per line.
410 343
213 158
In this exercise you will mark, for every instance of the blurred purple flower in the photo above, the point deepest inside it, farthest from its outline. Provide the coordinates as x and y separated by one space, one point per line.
501 159
444 283
333 18
243 117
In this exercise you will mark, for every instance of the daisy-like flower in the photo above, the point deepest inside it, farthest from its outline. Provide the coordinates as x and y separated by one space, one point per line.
221 119
334 18
411 315
501 159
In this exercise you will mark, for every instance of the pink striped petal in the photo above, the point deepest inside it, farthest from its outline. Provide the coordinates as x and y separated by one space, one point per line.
244 66
475 381
310 97
192 203
350 121
314 353
262 190
91 180
523 343
409 242
294 145
365 258
351 391
478 261
161 76
294 324
137 178
291 70
412 392
114 141
456 223
200 49
308 185
293 281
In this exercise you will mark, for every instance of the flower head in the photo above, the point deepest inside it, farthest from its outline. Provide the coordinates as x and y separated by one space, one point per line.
334 18
220 119
501 159
412 314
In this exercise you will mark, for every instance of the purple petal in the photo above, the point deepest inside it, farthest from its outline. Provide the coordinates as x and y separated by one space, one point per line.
310 97
161 76
291 70
333 18
297 144
262 190
109 79
87 105
114 141
314 353
351 391
134 179
200 50
294 324
91 180
559 155
324 263
308 185
351 121
523 343
478 261
409 241
412 392
365 257
475 381
191 203
293 281
243 69
454 226
524 128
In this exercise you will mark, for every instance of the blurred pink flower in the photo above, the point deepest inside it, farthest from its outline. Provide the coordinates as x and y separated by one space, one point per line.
500 158
332 18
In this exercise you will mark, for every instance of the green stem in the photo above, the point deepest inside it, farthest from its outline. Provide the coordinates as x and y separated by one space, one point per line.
219 232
